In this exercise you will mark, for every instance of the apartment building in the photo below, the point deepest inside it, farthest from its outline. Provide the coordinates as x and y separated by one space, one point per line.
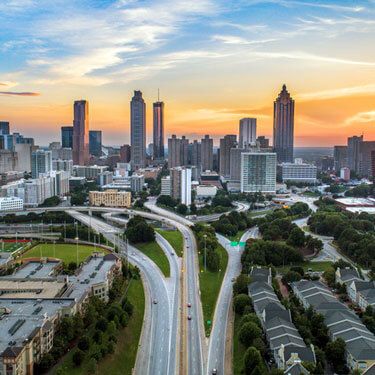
110 198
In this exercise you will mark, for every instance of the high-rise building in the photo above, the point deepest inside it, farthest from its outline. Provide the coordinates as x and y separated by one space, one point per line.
23 151
373 164
340 156
67 136
299 172
125 154
207 148
184 151
258 172
353 152
174 152
248 132
226 144
196 152
345 173
41 162
4 127
327 163
158 134
95 142
181 184
138 130
81 154
8 161
364 164
263 141
283 126
235 163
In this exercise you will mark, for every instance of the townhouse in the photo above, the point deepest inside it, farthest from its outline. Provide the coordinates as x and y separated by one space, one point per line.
362 293
347 275
285 342
341 322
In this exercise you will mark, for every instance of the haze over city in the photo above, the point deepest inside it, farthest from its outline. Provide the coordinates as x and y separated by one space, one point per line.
214 62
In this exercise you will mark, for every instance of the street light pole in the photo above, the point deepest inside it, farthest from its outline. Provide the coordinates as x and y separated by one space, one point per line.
77 249
205 252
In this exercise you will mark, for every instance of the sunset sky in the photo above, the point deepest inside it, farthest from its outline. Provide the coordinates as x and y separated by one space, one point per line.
214 62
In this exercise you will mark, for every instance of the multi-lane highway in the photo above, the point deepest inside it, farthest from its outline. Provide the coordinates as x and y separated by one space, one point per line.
157 353
193 327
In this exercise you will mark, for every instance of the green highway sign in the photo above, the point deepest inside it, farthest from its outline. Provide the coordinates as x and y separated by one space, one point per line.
209 322
242 243
234 243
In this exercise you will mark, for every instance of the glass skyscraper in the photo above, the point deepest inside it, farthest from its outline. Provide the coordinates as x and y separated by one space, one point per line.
95 142
67 136
81 154
158 133
138 130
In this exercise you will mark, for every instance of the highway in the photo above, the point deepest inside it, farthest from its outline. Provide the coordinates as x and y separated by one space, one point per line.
157 352
217 343
195 328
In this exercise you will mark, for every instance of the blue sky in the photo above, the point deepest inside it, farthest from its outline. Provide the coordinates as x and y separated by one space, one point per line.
214 61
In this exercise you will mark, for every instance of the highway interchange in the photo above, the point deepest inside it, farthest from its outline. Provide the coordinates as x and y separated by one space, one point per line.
170 342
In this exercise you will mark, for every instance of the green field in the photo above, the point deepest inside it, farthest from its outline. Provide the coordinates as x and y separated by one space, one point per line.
174 237
66 252
10 247
210 284
315 266
237 236
238 349
123 360
156 254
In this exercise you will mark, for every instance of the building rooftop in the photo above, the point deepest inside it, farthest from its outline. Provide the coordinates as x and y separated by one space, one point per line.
36 270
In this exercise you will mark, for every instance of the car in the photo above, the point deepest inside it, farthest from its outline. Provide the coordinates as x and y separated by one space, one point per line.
172 253
155 301
233 279
189 317
189 304
214 371
143 258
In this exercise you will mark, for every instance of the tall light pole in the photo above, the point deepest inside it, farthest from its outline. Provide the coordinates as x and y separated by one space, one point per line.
77 250
205 252
54 248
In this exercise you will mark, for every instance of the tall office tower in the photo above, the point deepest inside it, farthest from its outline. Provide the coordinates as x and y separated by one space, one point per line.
353 152
81 154
207 148
283 126
196 151
158 135
23 151
125 154
235 163
373 165
138 130
174 152
95 142
4 127
181 184
258 172
41 162
184 151
67 136
226 144
248 132
8 161
340 156
364 164
263 141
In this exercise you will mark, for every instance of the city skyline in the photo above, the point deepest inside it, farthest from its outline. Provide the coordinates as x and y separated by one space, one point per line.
248 52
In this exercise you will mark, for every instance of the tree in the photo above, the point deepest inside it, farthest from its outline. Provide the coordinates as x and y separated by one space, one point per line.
335 351
102 324
250 318
78 357
182 209
138 230
241 284
296 237
291 277
240 302
248 333
252 359
84 343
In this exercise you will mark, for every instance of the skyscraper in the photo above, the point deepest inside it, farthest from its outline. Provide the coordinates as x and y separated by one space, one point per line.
158 134
81 154
125 153
283 126
353 152
184 150
41 162
258 172
340 155
67 136
95 142
207 148
138 130
226 143
196 153
174 152
4 127
181 184
248 132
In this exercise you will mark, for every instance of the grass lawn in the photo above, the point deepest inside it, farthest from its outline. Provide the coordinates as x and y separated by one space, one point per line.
238 349
10 247
174 237
237 236
315 266
65 252
210 284
156 254
259 213
123 360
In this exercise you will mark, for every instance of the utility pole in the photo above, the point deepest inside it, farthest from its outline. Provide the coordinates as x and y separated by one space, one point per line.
205 253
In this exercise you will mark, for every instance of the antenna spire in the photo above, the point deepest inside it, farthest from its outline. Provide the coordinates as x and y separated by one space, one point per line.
158 95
